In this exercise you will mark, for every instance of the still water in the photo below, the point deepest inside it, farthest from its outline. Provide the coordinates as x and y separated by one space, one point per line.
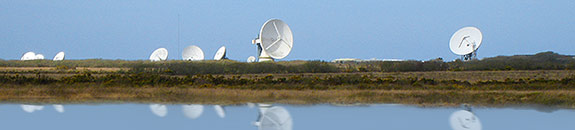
279 117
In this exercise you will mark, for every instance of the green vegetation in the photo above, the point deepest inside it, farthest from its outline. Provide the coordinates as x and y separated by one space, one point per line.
540 61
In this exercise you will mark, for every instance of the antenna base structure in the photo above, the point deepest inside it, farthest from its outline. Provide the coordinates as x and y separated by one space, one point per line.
469 57
262 55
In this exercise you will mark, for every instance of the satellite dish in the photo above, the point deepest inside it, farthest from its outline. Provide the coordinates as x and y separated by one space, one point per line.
160 54
220 111
28 56
31 108
221 53
251 59
193 111
59 56
39 57
275 40
59 108
159 109
465 42
274 118
193 53
464 120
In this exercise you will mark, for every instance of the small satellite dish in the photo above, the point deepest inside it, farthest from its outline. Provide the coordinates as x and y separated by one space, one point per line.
221 53
275 40
220 111
39 57
193 111
465 42
274 118
59 56
59 108
160 54
464 120
193 53
251 59
28 56
159 109
31 108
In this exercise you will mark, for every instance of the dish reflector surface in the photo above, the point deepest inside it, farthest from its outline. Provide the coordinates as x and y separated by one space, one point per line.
28 56
160 54
276 38
31 108
251 59
159 109
193 111
39 57
59 56
465 40
59 108
220 111
221 53
464 120
275 118
193 53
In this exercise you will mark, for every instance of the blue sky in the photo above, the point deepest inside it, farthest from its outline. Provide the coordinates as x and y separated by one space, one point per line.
323 30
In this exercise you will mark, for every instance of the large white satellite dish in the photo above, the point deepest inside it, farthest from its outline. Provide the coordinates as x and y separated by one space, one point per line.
274 118
31 108
251 59
28 56
465 42
59 108
275 40
220 111
221 53
160 54
193 53
59 56
464 120
193 111
39 57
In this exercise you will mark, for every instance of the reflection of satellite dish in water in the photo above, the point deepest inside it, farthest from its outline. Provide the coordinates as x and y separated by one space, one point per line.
465 42
59 108
251 59
59 56
39 57
220 111
275 40
159 109
31 108
193 53
221 53
193 111
274 118
464 120
28 56
160 54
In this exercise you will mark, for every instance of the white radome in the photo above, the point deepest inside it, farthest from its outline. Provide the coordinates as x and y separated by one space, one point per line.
193 53
160 54
39 57
251 59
